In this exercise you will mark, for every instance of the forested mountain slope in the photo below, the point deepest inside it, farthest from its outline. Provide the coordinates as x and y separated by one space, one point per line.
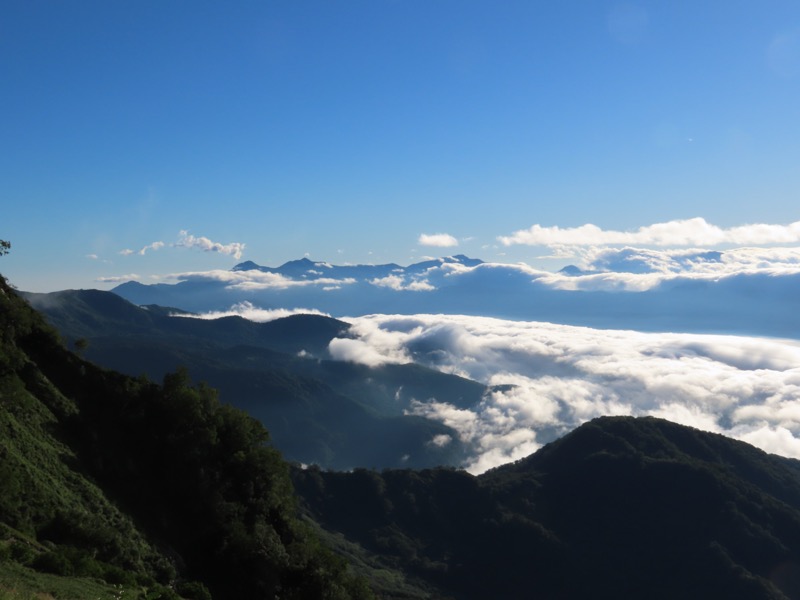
157 488
619 508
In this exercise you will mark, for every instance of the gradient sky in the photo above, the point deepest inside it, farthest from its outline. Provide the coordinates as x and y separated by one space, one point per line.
346 130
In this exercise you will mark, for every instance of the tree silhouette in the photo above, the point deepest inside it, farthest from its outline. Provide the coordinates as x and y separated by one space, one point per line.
5 247
81 345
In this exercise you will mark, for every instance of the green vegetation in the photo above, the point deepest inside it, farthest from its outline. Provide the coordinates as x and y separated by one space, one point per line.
619 508
112 481
116 487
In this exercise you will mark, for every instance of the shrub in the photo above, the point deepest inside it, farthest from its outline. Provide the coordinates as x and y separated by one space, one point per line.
53 562
193 590
22 553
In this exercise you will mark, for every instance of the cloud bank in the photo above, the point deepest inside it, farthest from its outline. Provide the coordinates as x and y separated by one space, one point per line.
600 269
750 291
688 232
257 280
251 312
547 379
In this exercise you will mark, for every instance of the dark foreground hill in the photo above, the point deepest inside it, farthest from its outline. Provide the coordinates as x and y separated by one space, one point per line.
115 487
620 508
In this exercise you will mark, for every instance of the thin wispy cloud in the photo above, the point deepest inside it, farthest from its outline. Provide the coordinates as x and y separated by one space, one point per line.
547 379
438 240
688 232
118 278
142 251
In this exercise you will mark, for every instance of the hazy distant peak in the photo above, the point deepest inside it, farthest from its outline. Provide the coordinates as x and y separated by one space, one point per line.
466 260
571 270
304 263
437 262
247 265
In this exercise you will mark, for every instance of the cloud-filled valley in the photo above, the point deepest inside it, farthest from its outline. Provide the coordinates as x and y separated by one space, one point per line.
547 379
696 334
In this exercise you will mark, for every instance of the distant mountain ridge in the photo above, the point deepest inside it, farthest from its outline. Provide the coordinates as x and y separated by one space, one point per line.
309 269
746 302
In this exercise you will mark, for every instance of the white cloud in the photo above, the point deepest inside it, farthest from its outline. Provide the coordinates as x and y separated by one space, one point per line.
688 232
118 278
257 280
440 240
441 440
636 269
251 312
547 379
420 286
187 240
92 256
397 283
632 269
692 261
357 351
142 251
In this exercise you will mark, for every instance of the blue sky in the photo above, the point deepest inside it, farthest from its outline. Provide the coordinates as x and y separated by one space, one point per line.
346 130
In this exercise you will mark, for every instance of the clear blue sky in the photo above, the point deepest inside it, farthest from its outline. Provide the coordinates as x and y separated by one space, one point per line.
344 130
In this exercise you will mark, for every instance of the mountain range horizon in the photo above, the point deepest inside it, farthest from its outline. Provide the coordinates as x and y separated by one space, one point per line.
738 291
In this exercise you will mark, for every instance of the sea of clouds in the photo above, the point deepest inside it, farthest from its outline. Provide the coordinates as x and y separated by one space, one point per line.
547 379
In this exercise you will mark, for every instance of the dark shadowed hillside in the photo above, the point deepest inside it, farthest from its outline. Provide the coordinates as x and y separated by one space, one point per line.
332 413
620 508
158 490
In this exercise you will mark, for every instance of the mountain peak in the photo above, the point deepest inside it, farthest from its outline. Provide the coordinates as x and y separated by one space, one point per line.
247 265
571 270
301 262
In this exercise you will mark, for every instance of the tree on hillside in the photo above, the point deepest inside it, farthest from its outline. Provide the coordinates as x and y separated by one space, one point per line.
80 345
4 247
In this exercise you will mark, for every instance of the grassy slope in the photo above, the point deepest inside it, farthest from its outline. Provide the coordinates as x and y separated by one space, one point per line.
41 486
108 480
